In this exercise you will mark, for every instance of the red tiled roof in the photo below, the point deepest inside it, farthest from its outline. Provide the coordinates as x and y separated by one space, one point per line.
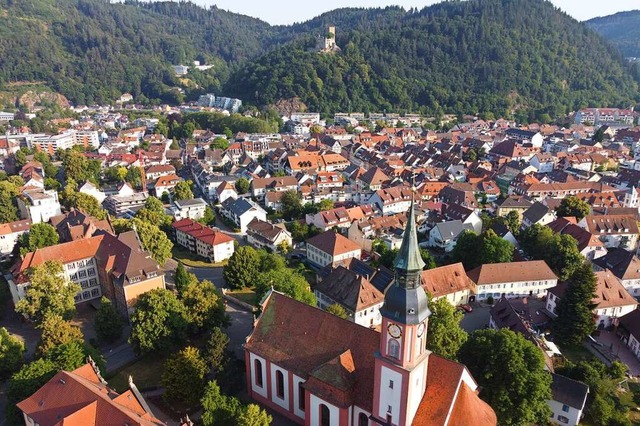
201 232
469 410
333 243
446 280
80 398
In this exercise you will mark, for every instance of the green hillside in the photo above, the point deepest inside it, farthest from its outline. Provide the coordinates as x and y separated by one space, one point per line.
622 29
466 57
472 56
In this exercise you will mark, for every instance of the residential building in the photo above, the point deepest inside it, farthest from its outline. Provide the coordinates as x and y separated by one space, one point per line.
39 205
329 248
260 186
515 203
589 245
116 267
224 191
544 162
77 225
513 279
613 230
189 209
164 184
612 300
90 189
568 400
354 292
261 234
83 397
315 368
242 211
629 331
340 217
206 242
449 282
444 235
365 231
539 214
625 265
155 171
10 234
125 206
392 200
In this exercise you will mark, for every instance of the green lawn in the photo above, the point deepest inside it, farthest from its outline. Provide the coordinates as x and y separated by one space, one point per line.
245 295
189 259
146 373
576 353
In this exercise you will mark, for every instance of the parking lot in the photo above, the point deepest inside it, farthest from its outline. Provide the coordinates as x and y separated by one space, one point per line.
477 319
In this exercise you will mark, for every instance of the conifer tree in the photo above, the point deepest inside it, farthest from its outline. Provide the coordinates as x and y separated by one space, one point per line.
575 308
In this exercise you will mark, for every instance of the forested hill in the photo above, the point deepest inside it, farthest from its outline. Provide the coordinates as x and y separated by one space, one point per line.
471 56
92 51
621 29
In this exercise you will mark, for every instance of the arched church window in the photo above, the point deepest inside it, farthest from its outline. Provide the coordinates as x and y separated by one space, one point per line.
280 384
394 348
325 415
258 372
363 420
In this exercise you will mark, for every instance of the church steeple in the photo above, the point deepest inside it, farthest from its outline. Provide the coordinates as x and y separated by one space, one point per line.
401 363
406 301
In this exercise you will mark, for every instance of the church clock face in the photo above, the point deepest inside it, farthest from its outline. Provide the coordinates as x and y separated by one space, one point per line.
394 331
421 328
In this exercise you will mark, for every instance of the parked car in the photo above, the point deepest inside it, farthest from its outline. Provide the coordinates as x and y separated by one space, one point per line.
466 308
459 308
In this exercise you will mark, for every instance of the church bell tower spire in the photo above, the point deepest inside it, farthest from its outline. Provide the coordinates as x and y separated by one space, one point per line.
401 363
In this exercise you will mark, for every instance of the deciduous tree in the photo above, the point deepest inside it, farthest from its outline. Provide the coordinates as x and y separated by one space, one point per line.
217 408
510 371
253 415
153 239
286 281
184 377
337 310
87 203
57 331
242 185
291 204
158 321
108 322
49 293
445 337
11 353
182 191
242 268
573 206
475 250
39 236
203 306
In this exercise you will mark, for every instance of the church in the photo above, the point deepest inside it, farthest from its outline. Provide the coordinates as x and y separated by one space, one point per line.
320 370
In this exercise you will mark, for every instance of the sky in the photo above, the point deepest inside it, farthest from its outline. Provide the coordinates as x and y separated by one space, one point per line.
290 11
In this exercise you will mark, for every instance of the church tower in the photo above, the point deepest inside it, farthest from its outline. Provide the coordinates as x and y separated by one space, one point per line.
401 363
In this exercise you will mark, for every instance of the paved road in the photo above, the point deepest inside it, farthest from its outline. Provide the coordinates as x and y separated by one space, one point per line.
119 357
212 274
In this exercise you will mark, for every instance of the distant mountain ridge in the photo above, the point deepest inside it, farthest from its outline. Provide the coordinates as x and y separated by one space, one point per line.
622 29
494 56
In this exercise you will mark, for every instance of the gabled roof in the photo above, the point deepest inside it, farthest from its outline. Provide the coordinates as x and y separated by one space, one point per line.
445 280
332 243
352 290
374 176
622 263
493 273
300 338
80 398
536 212
568 391
16 226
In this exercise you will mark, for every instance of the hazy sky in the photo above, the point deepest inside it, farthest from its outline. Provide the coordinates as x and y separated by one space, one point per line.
289 11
